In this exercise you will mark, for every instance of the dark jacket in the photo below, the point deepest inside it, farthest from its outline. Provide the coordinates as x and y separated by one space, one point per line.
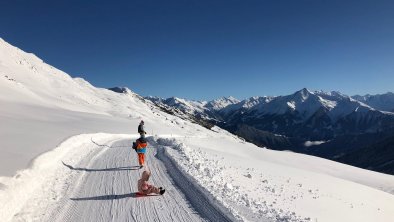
141 129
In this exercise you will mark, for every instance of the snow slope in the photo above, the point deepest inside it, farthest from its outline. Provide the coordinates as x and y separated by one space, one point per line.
209 174
46 106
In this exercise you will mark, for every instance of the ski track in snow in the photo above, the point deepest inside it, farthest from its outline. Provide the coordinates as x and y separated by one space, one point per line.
104 189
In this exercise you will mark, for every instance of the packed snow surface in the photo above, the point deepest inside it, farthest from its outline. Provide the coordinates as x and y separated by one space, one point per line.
56 166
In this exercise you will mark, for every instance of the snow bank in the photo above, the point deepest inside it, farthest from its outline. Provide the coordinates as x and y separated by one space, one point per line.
208 172
253 190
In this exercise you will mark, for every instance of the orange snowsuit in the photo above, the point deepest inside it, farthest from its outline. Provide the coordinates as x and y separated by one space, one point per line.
141 149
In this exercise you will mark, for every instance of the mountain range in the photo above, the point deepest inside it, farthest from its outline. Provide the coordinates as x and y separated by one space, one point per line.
325 124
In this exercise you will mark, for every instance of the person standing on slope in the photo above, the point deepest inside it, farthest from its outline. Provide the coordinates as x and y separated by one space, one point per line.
141 129
144 188
140 148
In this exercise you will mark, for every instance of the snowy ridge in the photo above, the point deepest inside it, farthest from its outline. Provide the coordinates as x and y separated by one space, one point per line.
246 104
304 102
305 115
221 103
188 106
384 102
33 80
198 108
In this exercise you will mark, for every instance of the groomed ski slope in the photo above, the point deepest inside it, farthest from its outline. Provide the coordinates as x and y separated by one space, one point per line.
97 181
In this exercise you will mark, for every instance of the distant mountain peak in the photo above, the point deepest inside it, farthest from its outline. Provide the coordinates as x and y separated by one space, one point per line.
303 94
227 98
232 98
305 91
221 103
176 100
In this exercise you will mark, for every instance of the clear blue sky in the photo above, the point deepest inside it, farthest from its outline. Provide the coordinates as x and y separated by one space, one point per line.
201 50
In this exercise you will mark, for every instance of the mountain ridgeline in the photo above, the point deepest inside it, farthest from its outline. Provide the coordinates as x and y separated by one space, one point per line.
325 124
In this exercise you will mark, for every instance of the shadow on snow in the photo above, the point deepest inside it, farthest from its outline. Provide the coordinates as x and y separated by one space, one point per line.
113 197
105 145
105 169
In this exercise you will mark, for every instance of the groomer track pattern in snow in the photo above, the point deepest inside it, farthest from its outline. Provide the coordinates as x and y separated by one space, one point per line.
97 183
93 177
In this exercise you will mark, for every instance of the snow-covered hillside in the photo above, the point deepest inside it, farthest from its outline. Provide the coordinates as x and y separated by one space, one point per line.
46 106
55 166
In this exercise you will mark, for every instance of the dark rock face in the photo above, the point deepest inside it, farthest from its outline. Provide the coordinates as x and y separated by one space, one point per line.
378 156
119 89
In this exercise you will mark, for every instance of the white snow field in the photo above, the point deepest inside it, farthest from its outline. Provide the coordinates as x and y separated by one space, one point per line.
65 155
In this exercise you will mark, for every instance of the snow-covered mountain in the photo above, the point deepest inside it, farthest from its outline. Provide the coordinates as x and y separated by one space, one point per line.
187 106
221 103
314 115
310 115
383 102
291 121
55 166
200 111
